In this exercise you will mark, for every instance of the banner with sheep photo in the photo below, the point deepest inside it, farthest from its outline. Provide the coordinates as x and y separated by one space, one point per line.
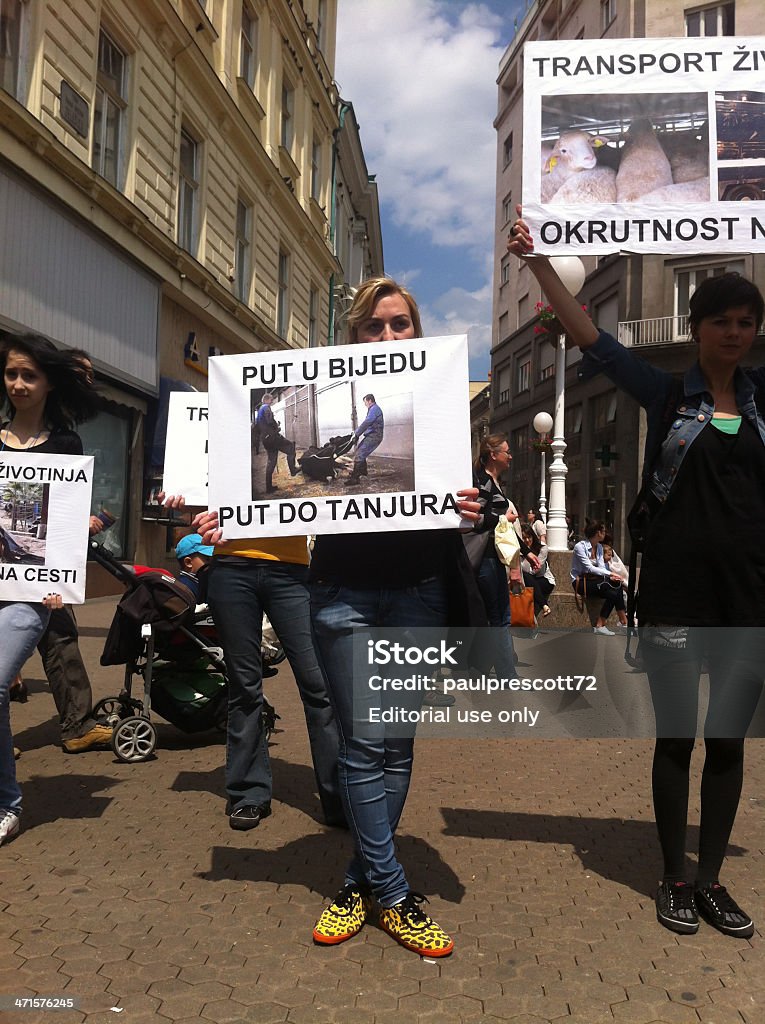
645 145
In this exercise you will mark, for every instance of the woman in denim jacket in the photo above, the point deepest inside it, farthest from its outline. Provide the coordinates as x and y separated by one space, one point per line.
705 450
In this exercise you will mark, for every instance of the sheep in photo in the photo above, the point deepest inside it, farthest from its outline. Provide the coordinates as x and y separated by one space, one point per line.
597 185
644 166
573 153
696 191
688 155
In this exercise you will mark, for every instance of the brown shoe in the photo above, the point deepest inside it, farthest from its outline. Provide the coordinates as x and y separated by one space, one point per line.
16 753
97 738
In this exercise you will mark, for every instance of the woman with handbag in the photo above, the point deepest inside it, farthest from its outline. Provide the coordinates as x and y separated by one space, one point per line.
705 459
493 460
590 577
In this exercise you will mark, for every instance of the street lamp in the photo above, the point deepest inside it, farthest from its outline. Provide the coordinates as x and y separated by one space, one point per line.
570 270
543 423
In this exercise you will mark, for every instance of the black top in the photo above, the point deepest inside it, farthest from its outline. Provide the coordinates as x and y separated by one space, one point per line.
704 559
381 560
60 442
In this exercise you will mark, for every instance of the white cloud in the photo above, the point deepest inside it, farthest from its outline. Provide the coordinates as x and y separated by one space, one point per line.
424 93
458 311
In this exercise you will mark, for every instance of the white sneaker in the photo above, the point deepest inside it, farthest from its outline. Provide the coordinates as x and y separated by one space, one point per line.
603 631
9 826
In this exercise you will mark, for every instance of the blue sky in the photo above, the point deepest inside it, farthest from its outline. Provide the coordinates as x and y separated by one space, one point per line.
421 75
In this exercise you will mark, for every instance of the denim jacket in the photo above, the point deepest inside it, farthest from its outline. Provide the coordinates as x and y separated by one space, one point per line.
651 387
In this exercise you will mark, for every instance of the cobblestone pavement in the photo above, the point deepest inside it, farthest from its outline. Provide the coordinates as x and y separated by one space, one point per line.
128 891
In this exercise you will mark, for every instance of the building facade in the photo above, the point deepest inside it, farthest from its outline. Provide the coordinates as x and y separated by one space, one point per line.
640 299
168 181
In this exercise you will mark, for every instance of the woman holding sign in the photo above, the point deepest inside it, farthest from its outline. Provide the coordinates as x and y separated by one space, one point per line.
397 580
705 467
45 394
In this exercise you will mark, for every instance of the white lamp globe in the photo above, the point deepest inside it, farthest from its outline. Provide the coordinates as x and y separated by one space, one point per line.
543 423
570 270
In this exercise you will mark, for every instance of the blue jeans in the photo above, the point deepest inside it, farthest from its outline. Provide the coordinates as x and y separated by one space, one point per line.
239 594
493 585
374 772
21 626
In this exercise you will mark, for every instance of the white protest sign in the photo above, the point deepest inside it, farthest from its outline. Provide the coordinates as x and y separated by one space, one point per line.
645 145
381 436
44 517
185 469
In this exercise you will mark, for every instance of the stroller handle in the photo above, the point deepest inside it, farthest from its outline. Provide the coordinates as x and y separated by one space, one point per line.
110 562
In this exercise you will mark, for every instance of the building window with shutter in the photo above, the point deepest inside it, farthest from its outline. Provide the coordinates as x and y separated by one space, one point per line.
109 112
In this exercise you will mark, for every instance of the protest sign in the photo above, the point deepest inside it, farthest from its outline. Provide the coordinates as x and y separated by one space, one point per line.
185 470
44 517
645 145
373 436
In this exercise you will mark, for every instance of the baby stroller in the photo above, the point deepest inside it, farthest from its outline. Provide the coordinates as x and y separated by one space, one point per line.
159 633
320 463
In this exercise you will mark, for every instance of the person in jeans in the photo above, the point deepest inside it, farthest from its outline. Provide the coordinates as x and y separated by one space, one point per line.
591 576
359 581
698 604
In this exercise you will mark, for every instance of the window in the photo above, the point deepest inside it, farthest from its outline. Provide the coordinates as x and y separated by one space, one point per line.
248 45
607 13
107 438
718 20
504 327
242 263
572 420
313 317
503 385
519 448
507 208
507 150
10 44
288 115
504 270
321 25
109 111
687 281
546 356
316 170
188 185
282 297
523 309
522 375
604 409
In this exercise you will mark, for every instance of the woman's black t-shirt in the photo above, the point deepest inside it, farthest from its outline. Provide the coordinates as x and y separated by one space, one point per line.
704 559
60 442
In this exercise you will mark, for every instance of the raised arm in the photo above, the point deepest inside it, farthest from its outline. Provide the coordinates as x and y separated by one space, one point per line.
578 326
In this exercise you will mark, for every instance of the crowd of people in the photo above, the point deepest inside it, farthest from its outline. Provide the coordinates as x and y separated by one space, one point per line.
352 583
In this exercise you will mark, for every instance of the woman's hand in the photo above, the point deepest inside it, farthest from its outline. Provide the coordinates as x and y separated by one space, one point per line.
519 241
206 525
470 508
53 601
95 526
175 501
533 561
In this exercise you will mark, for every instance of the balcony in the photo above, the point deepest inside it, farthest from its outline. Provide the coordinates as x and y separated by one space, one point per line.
661 330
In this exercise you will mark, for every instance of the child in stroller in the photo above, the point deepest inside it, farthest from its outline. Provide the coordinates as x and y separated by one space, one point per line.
160 633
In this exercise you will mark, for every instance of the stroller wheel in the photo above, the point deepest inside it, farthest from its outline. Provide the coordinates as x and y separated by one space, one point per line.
134 739
109 710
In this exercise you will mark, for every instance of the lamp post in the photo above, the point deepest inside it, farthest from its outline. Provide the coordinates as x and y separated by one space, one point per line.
543 423
570 270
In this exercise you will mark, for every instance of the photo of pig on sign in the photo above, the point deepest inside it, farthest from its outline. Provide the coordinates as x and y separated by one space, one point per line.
338 440
44 518
185 469
643 146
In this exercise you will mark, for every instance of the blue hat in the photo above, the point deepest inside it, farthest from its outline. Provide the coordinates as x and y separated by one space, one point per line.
192 545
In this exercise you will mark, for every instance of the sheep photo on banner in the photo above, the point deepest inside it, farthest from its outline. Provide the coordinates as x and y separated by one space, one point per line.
653 145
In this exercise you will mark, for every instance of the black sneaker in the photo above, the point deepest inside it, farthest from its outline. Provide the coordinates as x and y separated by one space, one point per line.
675 908
249 816
718 908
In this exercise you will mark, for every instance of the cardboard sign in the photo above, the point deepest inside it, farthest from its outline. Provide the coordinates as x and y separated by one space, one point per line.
185 470
645 145
44 515
340 440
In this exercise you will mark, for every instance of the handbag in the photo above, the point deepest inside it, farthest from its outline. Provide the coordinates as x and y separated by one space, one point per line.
506 542
522 608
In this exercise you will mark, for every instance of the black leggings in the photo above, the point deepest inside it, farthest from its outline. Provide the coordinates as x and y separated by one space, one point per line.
673 658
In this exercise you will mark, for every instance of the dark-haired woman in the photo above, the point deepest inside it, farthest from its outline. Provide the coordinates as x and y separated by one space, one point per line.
696 603
45 394
540 579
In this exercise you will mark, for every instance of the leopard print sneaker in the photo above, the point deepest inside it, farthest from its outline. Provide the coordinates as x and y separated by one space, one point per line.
414 929
344 917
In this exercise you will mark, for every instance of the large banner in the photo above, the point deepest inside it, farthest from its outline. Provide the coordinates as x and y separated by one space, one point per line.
340 440
44 516
645 145
185 469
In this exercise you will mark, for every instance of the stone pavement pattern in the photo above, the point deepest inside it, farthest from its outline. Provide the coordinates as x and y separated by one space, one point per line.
127 889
